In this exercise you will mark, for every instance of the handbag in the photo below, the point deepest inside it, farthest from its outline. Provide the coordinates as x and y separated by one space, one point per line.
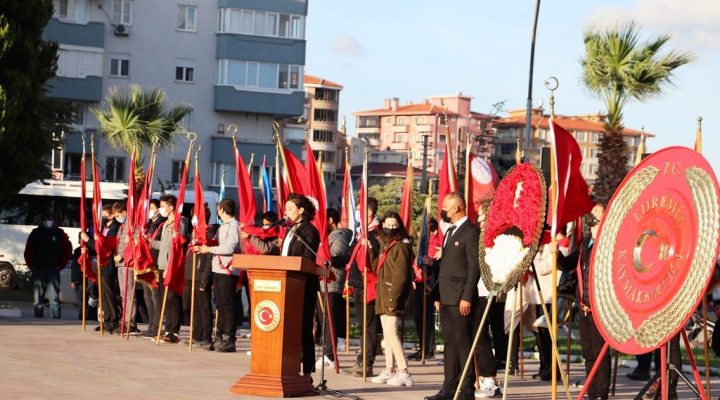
567 287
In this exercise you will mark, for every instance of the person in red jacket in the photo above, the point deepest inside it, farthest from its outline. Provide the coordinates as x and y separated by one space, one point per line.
47 251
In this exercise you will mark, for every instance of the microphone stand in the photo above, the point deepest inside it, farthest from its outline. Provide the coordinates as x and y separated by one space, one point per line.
322 388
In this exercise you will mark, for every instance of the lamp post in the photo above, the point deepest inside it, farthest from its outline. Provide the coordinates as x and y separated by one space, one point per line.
524 143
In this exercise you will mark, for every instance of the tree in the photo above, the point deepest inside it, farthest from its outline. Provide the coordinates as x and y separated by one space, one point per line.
618 68
138 119
28 119
389 196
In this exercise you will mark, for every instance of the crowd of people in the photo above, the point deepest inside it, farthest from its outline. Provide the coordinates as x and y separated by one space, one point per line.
446 280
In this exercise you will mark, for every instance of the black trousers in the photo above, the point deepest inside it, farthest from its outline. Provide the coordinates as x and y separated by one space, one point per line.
515 349
429 313
457 339
496 318
592 342
487 367
224 288
674 357
544 341
372 323
337 308
308 337
203 317
111 315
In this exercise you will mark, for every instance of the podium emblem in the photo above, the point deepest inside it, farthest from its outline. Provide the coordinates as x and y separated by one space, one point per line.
267 315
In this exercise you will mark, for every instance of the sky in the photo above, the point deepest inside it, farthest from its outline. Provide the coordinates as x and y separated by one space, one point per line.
381 49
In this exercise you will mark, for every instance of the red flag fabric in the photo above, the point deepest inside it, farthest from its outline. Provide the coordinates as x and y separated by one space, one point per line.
174 278
572 197
246 195
483 181
104 246
296 173
447 181
143 255
129 253
199 221
406 202
316 190
85 262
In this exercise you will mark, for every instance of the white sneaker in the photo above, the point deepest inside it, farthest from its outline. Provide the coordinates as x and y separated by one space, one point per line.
323 360
341 344
488 389
400 379
384 377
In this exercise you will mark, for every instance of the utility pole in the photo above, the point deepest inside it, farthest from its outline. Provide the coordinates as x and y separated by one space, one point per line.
424 182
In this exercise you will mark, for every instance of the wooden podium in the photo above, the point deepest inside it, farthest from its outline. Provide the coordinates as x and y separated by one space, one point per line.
277 291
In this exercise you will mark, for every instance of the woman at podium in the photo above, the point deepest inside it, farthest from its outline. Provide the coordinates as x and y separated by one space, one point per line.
302 240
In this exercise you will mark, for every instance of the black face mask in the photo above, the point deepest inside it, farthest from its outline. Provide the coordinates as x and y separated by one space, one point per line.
391 232
444 216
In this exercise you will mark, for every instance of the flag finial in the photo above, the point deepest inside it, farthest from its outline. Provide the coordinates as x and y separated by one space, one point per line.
552 83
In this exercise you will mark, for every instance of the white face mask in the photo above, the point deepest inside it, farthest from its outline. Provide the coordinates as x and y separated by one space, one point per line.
163 212
151 214
121 219
194 220
48 224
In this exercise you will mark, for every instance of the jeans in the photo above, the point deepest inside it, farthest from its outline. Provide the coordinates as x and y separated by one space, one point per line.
46 281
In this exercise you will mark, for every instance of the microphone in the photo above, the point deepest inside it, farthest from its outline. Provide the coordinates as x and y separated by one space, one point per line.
281 222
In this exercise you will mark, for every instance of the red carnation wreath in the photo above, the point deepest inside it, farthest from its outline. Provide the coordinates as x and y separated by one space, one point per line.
513 226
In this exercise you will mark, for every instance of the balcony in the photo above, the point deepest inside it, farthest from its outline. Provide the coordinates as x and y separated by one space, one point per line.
369 130
397 146
260 48
399 128
227 98
81 89
91 34
425 128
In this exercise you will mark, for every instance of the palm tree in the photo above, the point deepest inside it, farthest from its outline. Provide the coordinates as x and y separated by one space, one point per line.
618 68
138 119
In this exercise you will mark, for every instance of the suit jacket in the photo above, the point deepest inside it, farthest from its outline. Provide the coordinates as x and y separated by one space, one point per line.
311 236
459 270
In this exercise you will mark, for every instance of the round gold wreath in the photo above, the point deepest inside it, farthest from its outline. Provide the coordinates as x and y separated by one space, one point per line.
519 270
655 330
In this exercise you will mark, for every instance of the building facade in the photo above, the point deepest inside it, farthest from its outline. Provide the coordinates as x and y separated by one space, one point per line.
322 102
404 127
233 61
586 129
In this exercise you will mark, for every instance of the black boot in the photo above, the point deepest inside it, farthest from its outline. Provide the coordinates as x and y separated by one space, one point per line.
226 345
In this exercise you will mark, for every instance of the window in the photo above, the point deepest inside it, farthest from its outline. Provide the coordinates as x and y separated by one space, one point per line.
595 137
56 155
323 136
79 62
367 122
441 138
580 136
542 134
326 95
593 152
115 169
187 18
507 148
184 71
177 170
401 121
259 75
119 66
223 173
400 138
388 120
388 138
72 166
323 115
593 169
324 156
122 12
75 11
260 23
78 114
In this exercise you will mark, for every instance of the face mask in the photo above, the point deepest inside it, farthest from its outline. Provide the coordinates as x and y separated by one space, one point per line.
444 216
48 224
194 221
391 231
266 226
121 219
163 212
151 214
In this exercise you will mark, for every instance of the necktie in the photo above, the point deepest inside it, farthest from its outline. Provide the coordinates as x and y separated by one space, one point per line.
448 234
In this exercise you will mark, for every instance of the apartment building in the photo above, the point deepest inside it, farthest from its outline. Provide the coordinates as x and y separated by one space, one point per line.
403 127
234 61
587 130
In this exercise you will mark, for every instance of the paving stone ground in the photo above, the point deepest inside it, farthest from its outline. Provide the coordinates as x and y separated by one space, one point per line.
54 359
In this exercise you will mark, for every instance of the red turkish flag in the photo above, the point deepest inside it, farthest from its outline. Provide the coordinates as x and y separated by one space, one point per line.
246 195
483 181
572 197
406 201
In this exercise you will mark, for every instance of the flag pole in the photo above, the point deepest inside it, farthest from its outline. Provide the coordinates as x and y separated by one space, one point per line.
552 85
83 253
510 338
698 148
365 255
468 173
131 194
101 313
281 149
194 265
423 346
347 287
132 298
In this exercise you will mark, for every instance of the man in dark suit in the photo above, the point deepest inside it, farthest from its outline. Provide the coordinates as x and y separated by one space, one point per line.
457 282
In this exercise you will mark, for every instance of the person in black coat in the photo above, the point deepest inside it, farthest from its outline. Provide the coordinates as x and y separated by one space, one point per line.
300 211
458 275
